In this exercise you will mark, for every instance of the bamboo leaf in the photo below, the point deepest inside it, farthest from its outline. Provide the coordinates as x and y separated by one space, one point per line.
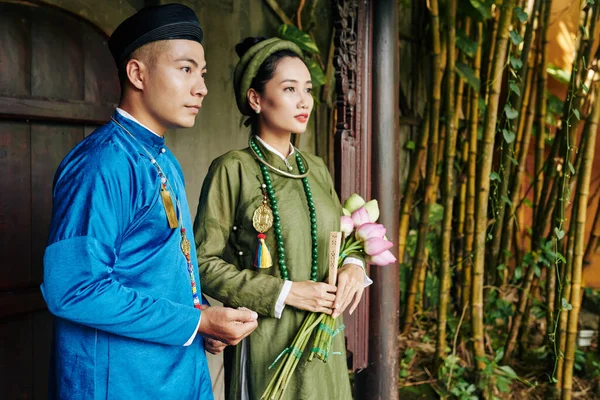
465 44
528 203
410 145
515 88
506 200
508 135
516 62
509 371
484 7
516 38
559 74
565 304
510 112
537 271
468 75
576 113
559 233
316 74
518 273
513 161
571 168
494 176
295 35
585 88
521 15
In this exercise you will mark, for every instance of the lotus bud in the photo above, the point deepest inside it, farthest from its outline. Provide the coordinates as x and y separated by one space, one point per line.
354 202
370 230
346 225
346 212
382 259
360 216
375 246
373 210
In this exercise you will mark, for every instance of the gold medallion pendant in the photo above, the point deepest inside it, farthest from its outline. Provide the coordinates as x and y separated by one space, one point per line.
262 220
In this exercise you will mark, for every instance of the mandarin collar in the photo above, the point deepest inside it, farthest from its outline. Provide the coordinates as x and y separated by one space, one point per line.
145 136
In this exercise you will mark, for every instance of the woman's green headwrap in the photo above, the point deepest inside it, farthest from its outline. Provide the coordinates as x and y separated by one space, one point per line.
248 66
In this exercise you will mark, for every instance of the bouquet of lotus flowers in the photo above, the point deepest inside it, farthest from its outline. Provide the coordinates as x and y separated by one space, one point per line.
362 237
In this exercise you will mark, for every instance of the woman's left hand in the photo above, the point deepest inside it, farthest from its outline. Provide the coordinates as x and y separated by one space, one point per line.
351 285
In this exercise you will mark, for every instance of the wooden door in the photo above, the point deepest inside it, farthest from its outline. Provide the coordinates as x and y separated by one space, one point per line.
57 83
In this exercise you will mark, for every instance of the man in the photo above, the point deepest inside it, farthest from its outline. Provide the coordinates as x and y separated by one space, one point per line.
119 271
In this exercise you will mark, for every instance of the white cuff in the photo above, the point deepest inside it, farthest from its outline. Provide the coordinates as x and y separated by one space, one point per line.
358 261
191 339
280 305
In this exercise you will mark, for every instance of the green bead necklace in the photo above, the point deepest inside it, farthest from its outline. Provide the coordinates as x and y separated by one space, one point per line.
277 220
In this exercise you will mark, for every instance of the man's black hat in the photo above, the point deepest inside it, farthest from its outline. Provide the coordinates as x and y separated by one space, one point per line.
165 22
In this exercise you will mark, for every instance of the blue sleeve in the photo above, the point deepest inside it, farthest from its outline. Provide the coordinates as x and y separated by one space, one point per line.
93 207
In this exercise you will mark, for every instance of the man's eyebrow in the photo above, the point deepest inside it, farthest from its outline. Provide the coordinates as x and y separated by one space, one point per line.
190 60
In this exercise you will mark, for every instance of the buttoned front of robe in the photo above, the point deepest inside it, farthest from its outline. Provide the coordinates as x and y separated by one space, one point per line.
226 244
116 278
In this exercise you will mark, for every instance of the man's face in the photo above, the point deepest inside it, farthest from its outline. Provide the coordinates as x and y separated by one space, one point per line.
174 86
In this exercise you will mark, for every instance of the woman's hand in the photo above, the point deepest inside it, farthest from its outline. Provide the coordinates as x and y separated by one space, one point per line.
213 346
351 285
312 296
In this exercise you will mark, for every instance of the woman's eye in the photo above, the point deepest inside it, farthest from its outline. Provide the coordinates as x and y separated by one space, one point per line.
203 75
187 70
290 89
309 90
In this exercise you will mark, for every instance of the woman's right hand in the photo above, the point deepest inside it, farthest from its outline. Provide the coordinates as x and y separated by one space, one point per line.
312 296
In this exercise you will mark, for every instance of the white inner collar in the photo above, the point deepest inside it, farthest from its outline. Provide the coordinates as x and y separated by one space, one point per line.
125 114
272 149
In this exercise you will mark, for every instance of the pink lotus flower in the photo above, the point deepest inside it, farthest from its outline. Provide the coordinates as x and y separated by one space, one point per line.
373 210
370 230
346 225
382 259
360 216
375 246
354 202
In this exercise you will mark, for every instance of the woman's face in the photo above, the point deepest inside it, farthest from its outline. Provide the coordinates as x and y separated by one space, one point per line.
286 102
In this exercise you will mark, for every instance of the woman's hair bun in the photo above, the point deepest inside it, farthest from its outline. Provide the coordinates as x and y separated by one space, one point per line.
245 45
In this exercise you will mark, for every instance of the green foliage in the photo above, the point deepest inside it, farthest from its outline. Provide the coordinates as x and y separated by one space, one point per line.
302 39
465 44
559 74
467 73
496 376
406 362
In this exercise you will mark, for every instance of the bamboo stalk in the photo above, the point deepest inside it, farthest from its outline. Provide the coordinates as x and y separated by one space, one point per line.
431 176
448 186
508 151
541 111
485 167
411 186
583 187
472 173
515 185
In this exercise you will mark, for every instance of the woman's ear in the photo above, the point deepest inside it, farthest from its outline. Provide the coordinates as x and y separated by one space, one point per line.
254 100
135 73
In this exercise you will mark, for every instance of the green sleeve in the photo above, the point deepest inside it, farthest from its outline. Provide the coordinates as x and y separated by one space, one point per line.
226 282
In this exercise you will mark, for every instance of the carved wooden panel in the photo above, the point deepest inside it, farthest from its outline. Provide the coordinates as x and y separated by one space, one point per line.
352 136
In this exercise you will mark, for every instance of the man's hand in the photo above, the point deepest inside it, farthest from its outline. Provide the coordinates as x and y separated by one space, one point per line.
213 346
351 284
312 296
226 324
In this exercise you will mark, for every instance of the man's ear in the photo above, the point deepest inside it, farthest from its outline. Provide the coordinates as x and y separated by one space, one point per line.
253 99
135 70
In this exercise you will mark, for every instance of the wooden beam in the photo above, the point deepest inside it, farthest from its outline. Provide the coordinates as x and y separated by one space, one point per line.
21 301
55 110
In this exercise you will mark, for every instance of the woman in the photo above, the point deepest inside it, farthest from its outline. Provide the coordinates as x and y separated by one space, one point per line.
271 194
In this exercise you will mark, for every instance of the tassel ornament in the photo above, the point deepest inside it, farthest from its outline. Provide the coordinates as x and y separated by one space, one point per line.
263 256
169 208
